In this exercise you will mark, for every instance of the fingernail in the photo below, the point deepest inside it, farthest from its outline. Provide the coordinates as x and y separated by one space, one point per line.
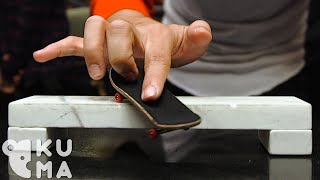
95 71
201 29
149 92
36 52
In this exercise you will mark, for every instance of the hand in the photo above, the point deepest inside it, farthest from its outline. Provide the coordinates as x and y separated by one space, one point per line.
128 35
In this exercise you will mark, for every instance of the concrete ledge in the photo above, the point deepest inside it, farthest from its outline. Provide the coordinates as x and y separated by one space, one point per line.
263 113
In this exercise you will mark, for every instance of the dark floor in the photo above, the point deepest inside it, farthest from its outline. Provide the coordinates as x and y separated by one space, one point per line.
236 156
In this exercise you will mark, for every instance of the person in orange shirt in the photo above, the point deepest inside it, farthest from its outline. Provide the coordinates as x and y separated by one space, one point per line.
258 49
123 30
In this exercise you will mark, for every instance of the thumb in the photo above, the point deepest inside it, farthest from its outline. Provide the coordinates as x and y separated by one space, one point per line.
194 43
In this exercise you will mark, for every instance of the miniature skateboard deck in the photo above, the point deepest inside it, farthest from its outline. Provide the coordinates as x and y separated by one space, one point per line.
167 112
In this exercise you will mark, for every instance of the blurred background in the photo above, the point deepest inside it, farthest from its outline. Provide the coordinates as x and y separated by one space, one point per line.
29 25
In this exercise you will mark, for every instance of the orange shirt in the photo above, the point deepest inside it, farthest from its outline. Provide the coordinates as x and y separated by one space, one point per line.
105 8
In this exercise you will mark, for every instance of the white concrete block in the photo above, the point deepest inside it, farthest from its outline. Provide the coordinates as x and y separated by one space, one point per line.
290 168
216 112
287 142
33 134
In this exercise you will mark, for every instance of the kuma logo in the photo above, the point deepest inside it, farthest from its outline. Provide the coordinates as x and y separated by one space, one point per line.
19 154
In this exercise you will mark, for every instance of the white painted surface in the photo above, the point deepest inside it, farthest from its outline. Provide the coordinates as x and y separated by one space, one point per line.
216 112
287 142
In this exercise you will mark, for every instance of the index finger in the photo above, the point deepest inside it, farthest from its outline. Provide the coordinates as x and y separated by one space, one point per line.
157 63
70 46
95 50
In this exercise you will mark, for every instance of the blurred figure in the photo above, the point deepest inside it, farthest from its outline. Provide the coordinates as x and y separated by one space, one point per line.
30 25
258 47
25 27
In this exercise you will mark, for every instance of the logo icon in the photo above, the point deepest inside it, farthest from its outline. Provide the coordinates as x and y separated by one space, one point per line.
20 154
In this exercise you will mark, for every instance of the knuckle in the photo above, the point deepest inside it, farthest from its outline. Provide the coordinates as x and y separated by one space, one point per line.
94 19
157 60
74 42
71 44
93 53
160 28
92 49
70 40
119 27
119 23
